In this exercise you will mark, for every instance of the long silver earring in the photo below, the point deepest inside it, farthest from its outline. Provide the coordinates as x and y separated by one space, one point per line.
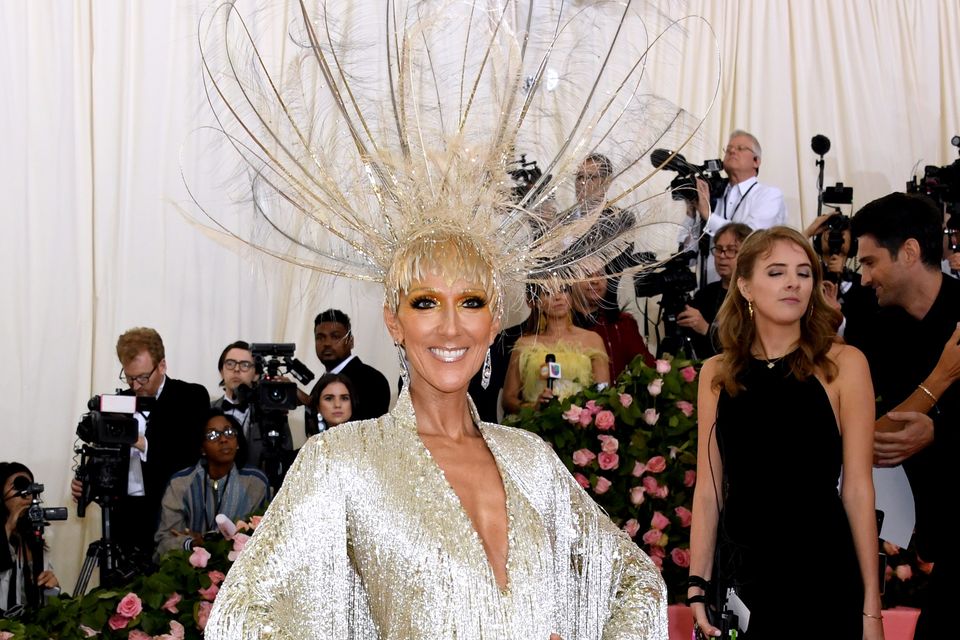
487 370
404 371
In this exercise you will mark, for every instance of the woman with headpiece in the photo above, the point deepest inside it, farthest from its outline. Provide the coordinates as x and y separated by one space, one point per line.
383 153
781 410
549 331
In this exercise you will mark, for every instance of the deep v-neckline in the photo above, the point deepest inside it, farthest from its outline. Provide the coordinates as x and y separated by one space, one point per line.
474 532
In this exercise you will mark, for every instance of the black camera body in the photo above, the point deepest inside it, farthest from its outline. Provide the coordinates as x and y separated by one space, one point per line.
684 186
941 184
673 281
525 176
269 395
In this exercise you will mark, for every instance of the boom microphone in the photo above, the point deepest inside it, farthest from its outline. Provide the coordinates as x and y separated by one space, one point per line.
820 144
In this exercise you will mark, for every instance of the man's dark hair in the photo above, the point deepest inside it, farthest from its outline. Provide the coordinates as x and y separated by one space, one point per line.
738 229
332 315
894 218
239 344
604 166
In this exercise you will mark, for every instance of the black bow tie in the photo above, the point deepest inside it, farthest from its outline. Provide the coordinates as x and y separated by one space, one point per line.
230 406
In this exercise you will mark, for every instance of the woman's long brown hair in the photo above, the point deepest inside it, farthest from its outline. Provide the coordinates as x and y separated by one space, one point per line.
738 332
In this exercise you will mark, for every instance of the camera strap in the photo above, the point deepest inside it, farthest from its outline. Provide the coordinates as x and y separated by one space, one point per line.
740 202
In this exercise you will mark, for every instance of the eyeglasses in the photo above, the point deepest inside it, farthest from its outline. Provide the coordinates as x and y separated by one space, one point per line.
588 177
229 433
140 380
737 147
727 252
233 365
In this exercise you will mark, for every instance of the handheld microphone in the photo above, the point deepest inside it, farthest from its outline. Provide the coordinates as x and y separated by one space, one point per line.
553 370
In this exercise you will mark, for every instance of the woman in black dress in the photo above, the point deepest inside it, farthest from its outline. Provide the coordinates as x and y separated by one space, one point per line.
782 409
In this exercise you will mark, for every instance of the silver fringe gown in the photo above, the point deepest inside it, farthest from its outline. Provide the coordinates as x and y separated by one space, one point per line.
366 539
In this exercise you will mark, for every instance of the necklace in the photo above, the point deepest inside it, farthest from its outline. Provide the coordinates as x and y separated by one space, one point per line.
771 362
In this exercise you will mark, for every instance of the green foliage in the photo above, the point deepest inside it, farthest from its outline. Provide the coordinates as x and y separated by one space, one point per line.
650 463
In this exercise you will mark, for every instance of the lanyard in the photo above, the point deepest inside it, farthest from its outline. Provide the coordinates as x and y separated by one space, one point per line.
219 491
736 208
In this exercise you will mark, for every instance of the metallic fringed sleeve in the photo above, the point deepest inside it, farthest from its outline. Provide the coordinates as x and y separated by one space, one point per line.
368 540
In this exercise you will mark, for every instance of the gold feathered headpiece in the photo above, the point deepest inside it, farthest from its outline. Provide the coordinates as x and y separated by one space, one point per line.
405 119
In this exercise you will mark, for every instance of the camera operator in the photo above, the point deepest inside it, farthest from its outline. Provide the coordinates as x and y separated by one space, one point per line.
833 242
699 315
16 558
911 346
745 200
238 369
166 431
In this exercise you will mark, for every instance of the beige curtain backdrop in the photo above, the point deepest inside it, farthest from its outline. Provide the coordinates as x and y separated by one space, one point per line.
99 103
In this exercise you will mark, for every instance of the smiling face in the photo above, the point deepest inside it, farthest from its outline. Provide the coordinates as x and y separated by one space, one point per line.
883 271
781 284
445 328
334 405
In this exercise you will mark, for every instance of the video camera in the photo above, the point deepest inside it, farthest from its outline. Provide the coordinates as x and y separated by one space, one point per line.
39 518
525 176
672 281
108 430
684 186
835 226
941 184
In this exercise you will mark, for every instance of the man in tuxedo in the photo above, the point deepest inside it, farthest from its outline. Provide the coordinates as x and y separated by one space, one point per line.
169 431
333 340
238 369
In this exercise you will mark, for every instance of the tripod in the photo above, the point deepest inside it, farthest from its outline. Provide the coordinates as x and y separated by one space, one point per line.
104 552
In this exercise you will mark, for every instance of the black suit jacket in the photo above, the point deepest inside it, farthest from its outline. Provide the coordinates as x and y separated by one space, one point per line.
371 388
173 436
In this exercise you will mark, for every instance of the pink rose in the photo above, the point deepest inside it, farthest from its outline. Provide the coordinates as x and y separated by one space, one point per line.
652 537
638 495
658 561
680 557
87 632
136 634
130 606
176 630
572 415
592 407
582 480
117 622
216 577
626 400
239 543
656 464
655 387
609 444
689 478
684 515
210 593
650 485
659 521
657 552
663 366
650 416
242 526
171 603
255 521
203 614
585 418
608 461
904 572
638 469
6 635
632 527
583 457
605 420
663 491
602 485
199 558
689 374
685 407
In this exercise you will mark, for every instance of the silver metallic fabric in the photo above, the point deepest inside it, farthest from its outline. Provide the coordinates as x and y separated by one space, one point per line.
366 539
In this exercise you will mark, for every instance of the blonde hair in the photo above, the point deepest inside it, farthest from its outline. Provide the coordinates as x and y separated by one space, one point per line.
452 256
738 332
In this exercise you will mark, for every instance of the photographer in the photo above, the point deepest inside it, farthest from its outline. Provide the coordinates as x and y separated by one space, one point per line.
238 370
833 242
16 558
699 315
745 200
177 415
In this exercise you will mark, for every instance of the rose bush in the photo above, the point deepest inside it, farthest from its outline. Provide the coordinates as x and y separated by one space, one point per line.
173 603
632 447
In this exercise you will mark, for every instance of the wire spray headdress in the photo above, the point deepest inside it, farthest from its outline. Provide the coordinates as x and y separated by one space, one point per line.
388 131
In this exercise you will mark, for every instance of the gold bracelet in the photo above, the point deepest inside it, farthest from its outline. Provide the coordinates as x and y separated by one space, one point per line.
867 615
927 391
